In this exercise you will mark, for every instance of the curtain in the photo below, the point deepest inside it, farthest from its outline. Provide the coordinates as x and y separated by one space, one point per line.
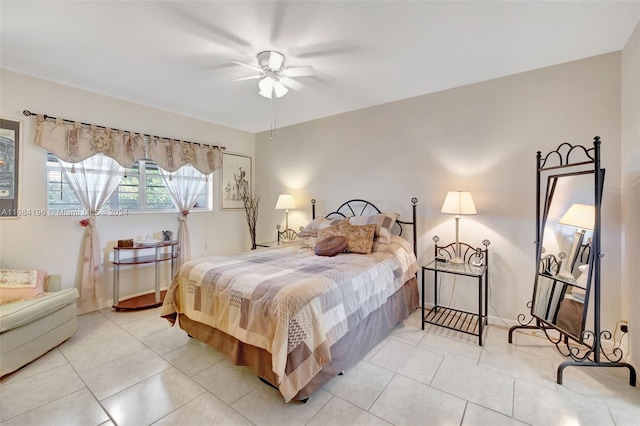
82 144
74 142
184 185
93 181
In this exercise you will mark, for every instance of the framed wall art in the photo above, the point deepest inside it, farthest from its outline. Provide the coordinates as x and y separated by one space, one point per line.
9 167
235 181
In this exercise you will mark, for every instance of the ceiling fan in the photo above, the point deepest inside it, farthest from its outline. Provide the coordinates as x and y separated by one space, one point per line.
275 78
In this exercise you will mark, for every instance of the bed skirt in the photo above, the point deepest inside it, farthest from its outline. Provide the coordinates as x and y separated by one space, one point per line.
345 353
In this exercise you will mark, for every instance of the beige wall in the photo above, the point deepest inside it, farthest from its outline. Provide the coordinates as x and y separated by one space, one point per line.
482 138
52 243
630 171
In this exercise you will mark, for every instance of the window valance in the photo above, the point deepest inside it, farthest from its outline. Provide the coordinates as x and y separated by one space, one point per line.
74 142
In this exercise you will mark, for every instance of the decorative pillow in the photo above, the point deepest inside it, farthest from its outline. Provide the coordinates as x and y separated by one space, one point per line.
21 284
308 242
331 246
359 238
311 230
383 221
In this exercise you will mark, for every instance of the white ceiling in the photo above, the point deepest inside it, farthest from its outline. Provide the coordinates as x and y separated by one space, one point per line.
174 55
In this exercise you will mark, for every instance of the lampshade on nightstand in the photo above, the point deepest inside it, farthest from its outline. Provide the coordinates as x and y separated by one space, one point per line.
285 202
458 203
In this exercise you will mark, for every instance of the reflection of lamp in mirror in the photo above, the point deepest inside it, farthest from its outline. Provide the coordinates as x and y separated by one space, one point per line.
581 217
285 202
457 203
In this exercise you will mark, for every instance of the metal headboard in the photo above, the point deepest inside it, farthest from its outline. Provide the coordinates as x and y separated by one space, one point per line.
359 207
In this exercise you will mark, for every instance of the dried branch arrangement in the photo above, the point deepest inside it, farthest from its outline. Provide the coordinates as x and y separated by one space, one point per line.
251 202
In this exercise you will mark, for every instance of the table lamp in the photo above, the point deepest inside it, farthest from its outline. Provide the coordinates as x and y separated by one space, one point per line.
457 203
581 217
285 202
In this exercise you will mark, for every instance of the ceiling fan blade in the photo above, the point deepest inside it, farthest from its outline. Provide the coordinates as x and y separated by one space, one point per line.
200 25
253 67
279 88
251 77
303 71
276 60
291 83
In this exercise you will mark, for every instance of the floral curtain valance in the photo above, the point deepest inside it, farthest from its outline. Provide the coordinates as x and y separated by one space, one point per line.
75 142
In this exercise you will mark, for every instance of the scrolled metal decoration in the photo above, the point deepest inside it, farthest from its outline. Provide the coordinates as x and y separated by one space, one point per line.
522 317
616 354
563 155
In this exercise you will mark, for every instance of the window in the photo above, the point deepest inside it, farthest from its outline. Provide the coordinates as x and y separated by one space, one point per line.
130 195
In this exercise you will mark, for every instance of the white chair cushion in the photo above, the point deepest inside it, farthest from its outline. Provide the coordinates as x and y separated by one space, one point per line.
19 313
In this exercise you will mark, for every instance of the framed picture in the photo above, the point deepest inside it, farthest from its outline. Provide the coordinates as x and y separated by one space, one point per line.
9 167
235 180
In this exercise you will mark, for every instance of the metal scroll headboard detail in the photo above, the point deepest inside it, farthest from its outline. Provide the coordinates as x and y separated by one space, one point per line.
359 207
467 252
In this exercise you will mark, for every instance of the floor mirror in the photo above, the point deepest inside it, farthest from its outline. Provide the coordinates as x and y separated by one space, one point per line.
566 288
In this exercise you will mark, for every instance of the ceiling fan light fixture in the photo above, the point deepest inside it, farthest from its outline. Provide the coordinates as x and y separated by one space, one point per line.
269 85
279 89
266 87
275 78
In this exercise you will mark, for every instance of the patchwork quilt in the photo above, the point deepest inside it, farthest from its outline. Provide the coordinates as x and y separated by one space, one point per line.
289 301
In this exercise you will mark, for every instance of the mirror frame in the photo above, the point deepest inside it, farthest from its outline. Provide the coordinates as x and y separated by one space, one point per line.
587 165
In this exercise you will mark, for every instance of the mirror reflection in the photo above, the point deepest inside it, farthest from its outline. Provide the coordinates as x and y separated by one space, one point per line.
563 271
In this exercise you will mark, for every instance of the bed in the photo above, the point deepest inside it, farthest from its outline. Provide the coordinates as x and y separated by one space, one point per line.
295 318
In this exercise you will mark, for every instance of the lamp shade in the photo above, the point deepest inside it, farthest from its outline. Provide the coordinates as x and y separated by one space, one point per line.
579 216
285 202
458 202
266 87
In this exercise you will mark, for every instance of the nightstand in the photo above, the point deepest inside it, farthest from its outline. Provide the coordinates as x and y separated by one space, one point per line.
475 266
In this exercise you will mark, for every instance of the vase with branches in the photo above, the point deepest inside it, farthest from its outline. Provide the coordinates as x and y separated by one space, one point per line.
251 202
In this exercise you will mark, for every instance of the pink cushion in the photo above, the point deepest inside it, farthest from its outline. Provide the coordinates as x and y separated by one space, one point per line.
331 246
21 284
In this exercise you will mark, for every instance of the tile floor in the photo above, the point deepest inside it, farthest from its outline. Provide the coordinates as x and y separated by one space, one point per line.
131 368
